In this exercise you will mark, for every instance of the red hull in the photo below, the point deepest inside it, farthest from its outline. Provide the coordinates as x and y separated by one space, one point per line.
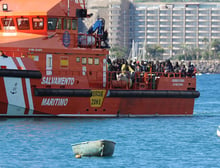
112 107
52 70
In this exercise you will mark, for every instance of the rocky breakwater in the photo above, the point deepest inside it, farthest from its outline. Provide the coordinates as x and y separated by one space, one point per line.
207 66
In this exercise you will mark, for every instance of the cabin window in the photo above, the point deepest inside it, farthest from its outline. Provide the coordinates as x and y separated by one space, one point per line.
96 61
59 24
8 23
90 61
23 23
38 23
64 62
83 60
77 59
65 24
69 24
74 24
51 23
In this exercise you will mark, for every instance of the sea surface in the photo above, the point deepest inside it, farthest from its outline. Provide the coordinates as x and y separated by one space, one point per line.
154 142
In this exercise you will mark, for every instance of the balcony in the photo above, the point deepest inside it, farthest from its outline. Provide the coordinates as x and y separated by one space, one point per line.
152 20
149 25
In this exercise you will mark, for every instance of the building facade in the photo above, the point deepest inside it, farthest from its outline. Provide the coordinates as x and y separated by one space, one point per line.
173 26
119 14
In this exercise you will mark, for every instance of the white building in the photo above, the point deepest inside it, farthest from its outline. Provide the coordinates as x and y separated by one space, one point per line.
176 24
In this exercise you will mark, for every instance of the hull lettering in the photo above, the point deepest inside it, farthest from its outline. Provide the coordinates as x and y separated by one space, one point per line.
54 102
57 81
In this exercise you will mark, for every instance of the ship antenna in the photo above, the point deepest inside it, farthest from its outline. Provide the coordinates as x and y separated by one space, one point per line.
84 4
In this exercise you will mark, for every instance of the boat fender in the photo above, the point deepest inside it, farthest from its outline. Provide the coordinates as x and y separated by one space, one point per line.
153 93
33 74
62 92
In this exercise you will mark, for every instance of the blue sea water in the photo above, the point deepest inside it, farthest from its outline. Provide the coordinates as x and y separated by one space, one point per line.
154 142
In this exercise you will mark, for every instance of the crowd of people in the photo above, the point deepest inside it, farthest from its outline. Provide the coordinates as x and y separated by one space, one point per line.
165 67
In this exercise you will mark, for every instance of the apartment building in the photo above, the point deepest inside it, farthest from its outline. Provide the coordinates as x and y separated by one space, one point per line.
170 25
176 24
119 20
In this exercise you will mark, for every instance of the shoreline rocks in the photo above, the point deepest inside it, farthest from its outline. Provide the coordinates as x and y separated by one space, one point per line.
203 66
206 66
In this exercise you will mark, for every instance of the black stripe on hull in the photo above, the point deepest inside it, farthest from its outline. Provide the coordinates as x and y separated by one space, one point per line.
153 93
20 73
63 92
118 93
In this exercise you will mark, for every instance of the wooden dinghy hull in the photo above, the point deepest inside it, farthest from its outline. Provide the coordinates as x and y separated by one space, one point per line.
94 148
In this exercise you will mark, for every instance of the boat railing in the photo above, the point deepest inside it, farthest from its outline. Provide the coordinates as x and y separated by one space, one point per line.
140 80
116 79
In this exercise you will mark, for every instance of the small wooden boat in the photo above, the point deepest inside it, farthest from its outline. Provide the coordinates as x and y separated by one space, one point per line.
94 148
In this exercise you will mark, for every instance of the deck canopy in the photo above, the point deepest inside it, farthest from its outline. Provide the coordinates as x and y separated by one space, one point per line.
40 7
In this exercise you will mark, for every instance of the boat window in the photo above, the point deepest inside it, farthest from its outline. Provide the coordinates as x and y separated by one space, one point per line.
90 61
59 24
96 61
23 23
69 24
51 23
77 59
74 24
8 23
38 23
65 24
83 60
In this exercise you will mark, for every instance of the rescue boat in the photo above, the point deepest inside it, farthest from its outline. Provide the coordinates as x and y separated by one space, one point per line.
49 68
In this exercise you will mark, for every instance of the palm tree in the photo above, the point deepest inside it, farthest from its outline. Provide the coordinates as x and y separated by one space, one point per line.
186 49
215 47
205 40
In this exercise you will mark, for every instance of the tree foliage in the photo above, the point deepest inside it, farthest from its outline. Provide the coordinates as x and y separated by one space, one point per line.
154 51
215 48
118 52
